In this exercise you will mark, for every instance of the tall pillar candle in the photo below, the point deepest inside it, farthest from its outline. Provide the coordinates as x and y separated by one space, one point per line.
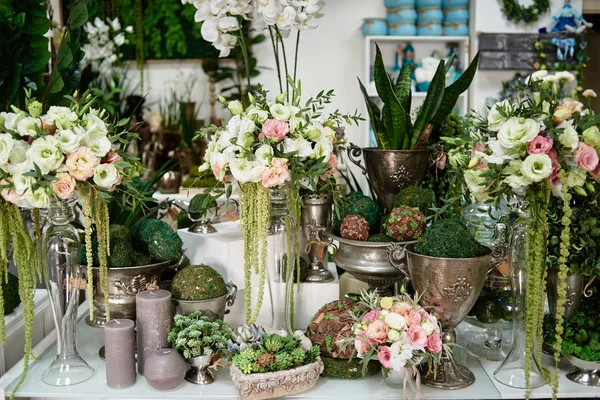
154 316
119 353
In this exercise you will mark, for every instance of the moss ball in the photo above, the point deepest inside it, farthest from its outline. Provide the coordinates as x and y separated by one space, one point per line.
416 197
303 268
156 238
354 227
83 254
119 232
404 224
10 293
449 238
379 237
337 368
140 258
121 253
356 203
198 282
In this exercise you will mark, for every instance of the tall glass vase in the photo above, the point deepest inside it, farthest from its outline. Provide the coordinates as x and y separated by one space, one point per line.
64 281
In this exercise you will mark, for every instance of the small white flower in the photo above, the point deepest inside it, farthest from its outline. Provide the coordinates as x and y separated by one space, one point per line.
517 131
264 154
22 183
476 183
210 30
106 175
499 152
29 126
395 321
280 111
537 167
427 326
244 170
539 75
245 140
98 143
62 117
38 198
68 141
93 123
257 115
589 93
301 146
228 24
18 158
514 175
6 147
569 137
575 177
286 19
565 76
10 120
235 107
494 118
323 148
46 154
393 335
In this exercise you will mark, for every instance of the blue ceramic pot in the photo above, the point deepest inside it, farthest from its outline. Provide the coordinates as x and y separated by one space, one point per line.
401 14
399 3
402 29
430 29
456 15
447 4
375 27
430 14
428 3
456 29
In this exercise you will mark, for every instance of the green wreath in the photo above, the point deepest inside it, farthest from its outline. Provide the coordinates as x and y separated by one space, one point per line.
517 13
577 63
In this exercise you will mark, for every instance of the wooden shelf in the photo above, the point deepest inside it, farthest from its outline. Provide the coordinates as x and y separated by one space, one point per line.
417 38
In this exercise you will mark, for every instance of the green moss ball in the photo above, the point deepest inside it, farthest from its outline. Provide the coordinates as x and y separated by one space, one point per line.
119 232
140 258
197 282
356 203
83 254
449 238
121 253
404 224
379 237
337 368
10 293
354 227
416 197
303 268
156 238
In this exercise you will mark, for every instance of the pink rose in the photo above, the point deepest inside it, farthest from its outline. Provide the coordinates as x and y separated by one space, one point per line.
377 332
402 307
332 165
372 315
434 343
360 343
385 356
64 185
276 174
555 167
414 318
541 144
274 129
81 163
596 174
112 157
586 157
416 336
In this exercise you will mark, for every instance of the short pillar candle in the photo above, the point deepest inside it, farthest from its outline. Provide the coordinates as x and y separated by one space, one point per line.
154 316
119 353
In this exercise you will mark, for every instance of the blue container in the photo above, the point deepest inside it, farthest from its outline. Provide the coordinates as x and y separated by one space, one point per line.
428 3
401 14
430 14
430 29
456 15
402 29
399 3
375 27
447 4
456 29
423 86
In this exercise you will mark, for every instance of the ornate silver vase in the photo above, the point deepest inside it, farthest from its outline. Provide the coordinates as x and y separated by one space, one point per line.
198 373
316 217
449 288
576 288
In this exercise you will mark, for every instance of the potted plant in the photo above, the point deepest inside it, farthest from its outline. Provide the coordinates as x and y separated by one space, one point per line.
268 365
199 288
201 341
401 157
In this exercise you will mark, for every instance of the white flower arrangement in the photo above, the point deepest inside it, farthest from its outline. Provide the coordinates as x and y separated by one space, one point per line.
105 40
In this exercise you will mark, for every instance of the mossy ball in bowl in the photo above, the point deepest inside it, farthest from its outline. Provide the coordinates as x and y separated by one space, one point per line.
416 197
354 227
140 259
121 253
404 224
449 238
338 368
356 203
119 232
379 237
197 282
157 238
10 293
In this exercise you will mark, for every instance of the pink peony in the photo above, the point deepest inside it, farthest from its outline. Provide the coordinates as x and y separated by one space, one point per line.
385 356
276 174
416 336
541 144
555 167
372 315
112 157
64 185
403 308
586 157
377 332
434 343
81 163
332 164
274 129
413 318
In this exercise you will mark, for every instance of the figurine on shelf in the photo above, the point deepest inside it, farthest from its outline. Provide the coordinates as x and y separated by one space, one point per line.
424 74
408 55
569 20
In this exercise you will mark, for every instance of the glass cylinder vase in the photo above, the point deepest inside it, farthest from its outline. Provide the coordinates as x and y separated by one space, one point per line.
64 281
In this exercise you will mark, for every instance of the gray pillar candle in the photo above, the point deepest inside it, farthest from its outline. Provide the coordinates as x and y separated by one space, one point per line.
119 353
154 316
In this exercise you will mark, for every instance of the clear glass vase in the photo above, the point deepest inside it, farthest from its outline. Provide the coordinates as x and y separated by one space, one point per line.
64 281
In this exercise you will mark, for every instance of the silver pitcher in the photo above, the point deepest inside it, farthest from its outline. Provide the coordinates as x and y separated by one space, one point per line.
390 170
211 308
448 288
316 217
576 288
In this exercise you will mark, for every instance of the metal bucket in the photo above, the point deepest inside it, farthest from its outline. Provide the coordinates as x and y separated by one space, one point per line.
212 308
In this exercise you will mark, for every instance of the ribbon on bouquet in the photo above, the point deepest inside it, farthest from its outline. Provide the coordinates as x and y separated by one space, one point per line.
413 381
564 48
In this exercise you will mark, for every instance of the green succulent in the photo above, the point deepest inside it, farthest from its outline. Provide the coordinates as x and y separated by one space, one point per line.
196 335
283 361
273 344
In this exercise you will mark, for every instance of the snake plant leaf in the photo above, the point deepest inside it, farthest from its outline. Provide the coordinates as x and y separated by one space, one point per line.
382 79
375 117
453 91
394 122
432 102
402 87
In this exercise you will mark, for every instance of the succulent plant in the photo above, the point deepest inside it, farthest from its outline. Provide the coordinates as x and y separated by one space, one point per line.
196 335
245 336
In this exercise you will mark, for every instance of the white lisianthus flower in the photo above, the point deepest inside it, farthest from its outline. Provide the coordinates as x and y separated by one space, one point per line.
329 133
224 139
591 136
538 75
106 175
68 141
300 146
257 115
244 170
62 117
537 167
569 137
393 335
98 143
395 321
22 183
494 118
575 177
93 124
29 126
295 123
499 152
550 79
245 140
235 107
383 313
565 76
38 198
427 326
516 131
514 175
46 154
323 148
9 121
476 183
17 161
6 147
264 154
280 112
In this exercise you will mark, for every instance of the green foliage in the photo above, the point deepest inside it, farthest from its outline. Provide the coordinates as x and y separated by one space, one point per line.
416 197
449 238
201 202
196 335
516 13
379 237
121 252
198 282
392 124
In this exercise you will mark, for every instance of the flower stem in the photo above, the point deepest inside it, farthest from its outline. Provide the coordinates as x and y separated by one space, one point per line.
276 54
245 56
296 59
287 85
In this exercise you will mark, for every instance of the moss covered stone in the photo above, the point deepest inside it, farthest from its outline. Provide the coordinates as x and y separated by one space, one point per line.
140 258
197 282
338 368
156 238
416 197
379 237
404 224
119 232
356 203
449 238
121 253
10 293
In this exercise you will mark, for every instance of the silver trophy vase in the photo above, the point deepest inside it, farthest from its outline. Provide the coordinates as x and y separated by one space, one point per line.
316 217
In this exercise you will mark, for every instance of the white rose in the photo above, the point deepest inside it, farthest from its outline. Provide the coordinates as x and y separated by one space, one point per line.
393 335
6 146
244 170
537 167
22 183
264 154
68 141
476 183
38 198
395 321
427 326
323 148
106 175
517 130
514 175
569 137
98 143
565 76
29 126
280 111
575 177
62 117
46 154
494 118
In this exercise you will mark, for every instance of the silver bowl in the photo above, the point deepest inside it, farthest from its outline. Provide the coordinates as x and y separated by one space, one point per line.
585 372
212 308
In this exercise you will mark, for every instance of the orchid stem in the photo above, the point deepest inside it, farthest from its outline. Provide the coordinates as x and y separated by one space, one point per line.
296 60
287 84
245 56
276 53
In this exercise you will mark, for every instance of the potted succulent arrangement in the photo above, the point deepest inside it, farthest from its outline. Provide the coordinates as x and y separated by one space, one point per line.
199 288
202 342
401 157
268 365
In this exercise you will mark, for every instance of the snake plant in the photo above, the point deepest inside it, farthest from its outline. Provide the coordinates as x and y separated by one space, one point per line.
392 124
